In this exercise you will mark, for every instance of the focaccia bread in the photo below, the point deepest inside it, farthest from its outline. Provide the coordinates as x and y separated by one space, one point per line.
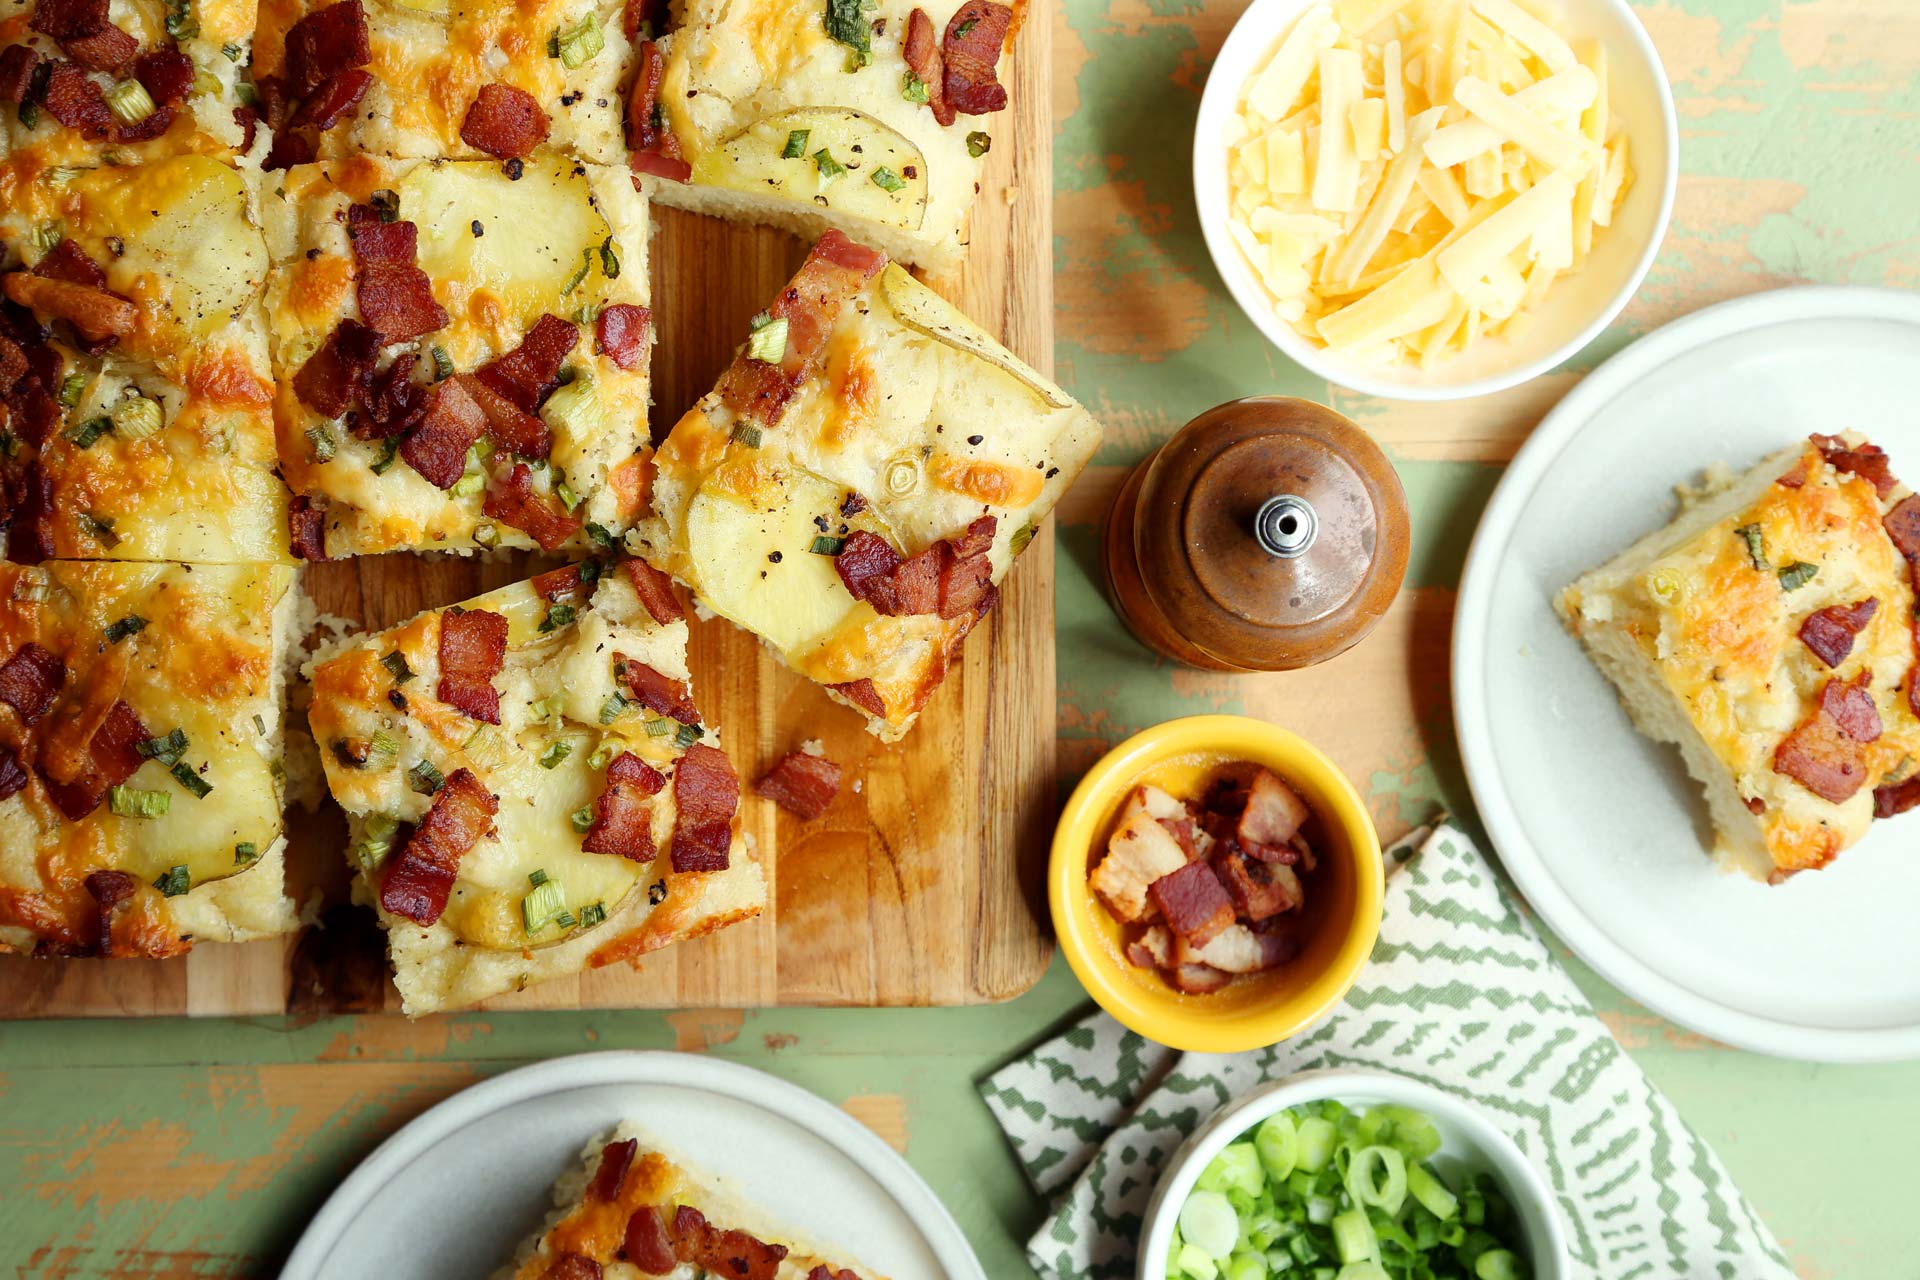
89 82
1769 633
870 439
461 354
529 787
811 114
140 756
419 67
135 391
628 1210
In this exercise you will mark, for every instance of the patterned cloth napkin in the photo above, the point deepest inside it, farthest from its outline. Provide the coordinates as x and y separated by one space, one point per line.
1462 994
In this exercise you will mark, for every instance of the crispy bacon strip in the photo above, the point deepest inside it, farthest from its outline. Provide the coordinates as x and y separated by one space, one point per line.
644 17
30 534
110 759
507 424
1823 753
421 875
966 579
1830 632
393 403
528 374
307 529
289 149
556 584
166 74
573 1266
1194 902
866 565
835 272
652 147
615 1159
109 49
953 578
109 890
1260 890
69 262
329 104
734 1254
648 1246
72 98
655 590
623 331
971 52
1903 526
67 19
804 785
1896 798
922 50
17 66
656 692
337 373
706 792
437 449
95 314
513 501
325 43
396 297
1869 462
504 121
863 694
12 776
622 816
473 649
30 679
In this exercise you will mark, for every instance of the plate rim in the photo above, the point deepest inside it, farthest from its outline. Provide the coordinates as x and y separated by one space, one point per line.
1626 971
732 1080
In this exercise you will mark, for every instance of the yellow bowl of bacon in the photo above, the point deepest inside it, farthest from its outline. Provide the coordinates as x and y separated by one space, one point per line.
1343 893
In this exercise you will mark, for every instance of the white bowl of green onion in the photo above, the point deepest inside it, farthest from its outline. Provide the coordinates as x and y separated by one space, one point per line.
1351 1174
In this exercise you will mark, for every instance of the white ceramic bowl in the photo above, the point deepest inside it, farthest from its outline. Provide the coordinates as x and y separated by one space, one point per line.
1470 1142
1578 307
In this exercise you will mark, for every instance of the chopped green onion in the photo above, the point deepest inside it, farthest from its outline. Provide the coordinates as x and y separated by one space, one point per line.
396 665
174 881
233 51
131 802
320 442
555 753
386 203
827 546
377 832
1236 1169
180 22
1317 1138
130 102
468 484
85 434
100 529
485 535
1756 545
543 906
383 743
573 281
1353 1237
132 624
1431 1192
1021 537
46 237
601 537
245 854
167 749
426 779
609 254
1377 1176
660 726
978 144
442 364
1277 1143
796 147
260 725
543 708
1797 575
1207 1222
612 708
687 735
914 89
389 450
846 22
579 44
826 166
582 818
537 877
30 110
71 388
558 616
602 756
886 179
593 914
574 409
769 342
568 498
184 774
747 434
1498 1264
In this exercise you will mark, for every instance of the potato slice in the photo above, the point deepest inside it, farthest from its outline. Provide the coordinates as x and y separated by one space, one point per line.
924 311
884 178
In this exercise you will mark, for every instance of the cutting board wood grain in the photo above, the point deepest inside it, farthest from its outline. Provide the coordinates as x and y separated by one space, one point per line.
924 883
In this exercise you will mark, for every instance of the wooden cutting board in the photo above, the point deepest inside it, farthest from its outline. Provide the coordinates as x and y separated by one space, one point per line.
923 887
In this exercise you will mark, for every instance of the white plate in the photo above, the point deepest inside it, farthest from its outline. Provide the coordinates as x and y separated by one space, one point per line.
455 1192
1601 828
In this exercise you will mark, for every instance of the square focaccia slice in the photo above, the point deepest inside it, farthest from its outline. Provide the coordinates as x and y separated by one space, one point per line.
140 755
90 82
861 480
442 78
871 118
629 1210
134 380
530 789
1769 633
461 350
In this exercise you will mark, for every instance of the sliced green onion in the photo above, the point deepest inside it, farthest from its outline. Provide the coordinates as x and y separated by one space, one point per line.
543 708
886 179
468 484
796 147
592 914
485 535
543 906
383 743
568 498
747 434
32 584
826 546
259 725
1756 545
687 735
245 854
167 749
174 881
1207 1223
233 52
1353 1237
396 665
580 43
573 281
100 529
320 444
826 166
131 802
46 237
1377 1176
132 624
537 877
426 779
1236 1168
442 364
582 818
1021 537
613 708
389 450
1498 1264
609 254
602 756
180 22
377 832
600 535
560 615
1797 575
768 343
1431 1192
86 433
386 203
574 409
184 774
978 144
1194 1264
660 726
130 102
555 753
1317 1136
71 388
1278 1144
914 89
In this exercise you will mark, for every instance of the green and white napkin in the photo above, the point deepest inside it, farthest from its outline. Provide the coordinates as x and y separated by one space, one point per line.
1461 993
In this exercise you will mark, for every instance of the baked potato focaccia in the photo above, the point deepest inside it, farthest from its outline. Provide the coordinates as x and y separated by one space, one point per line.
455 79
530 790
135 391
811 114
140 750
629 1211
1769 632
461 353
861 479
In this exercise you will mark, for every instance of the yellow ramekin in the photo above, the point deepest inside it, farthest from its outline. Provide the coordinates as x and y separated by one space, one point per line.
1343 893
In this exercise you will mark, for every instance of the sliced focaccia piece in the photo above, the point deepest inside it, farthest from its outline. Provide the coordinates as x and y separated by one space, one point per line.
135 391
461 350
530 790
861 479
87 82
629 1210
1769 633
140 756
442 78
810 114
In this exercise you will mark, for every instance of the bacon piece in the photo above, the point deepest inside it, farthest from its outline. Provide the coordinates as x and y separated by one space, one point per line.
1823 753
110 758
96 315
556 584
976 539
733 1254
30 679
17 66
528 374
1888 801
306 529
74 100
67 19
504 121
1194 902
1903 526
623 331
512 501
1260 890
393 402
421 875
166 74
336 375
863 694
970 51
1272 812
644 17
1143 848
289 149
69 262
648 1247
804 785
276 101
706 792
653 148
916 583
1830 632
30 535
656 692
508 425
573 1266
248 121
109 49
622 818
395 295
866 563
437 449
473 648
325 43
615 1159
835 272
108 889
1851 708
13 364
966 586
922 50
150 128
337 95
12 776
655 590
1239 949
1869 462
1156 949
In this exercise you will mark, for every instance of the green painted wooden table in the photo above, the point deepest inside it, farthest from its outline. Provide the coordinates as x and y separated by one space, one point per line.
177 1149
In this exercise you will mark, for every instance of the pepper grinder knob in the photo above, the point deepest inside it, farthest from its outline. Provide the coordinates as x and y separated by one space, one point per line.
1286 526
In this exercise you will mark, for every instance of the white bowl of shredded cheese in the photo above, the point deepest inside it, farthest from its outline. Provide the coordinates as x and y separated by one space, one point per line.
1497 189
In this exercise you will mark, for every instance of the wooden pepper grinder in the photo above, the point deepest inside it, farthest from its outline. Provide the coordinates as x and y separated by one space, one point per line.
1269 534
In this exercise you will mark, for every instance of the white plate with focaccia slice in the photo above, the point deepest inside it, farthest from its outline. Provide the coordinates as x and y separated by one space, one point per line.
1763 623
782 1184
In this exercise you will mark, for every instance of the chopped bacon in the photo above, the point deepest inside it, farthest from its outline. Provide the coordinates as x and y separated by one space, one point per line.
150 128
306 529
393 402
976 539
622 818
1259 889
733 1254
653 148
12 776
1830 632
648 1247
865 563
75 100
970 51
648 17
65 19
276 102
966 586
507 424
166 74
615 1159
109 49
656 692
572 1266
922 50
512 501
30 535
1272 813
1823 753
706 792
1852 709
336 375
623 331
1194 902
655 590
108 889
556 584
110 758
953 579
1903 526
396 297
289 149
325 43
1896 798
13 362
69 262
437 449
473 648
849 255
421 875
504 121
96 315
528 374
1869 462
915 584
30 679
863 694
18 63
835 272
804 785
248 121
337 95
1240 949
